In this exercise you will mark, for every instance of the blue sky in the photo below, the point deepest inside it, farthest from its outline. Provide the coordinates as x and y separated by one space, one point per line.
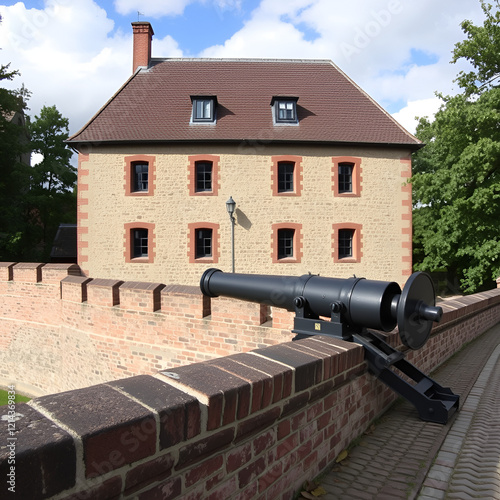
77 53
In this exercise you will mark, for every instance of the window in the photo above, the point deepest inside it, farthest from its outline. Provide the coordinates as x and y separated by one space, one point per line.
140 248
204 109
203 242
285 109
286 175
347 242
140 175
203 176
139 242
286 242
140 172
346 176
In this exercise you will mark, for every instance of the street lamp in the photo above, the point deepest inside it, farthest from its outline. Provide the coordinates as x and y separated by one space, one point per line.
230 206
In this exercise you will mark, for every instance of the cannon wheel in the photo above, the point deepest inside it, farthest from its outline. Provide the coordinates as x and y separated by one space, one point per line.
414 330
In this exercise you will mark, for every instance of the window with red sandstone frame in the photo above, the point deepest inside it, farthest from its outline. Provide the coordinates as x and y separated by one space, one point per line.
140 175
203 242
286 243
347 242
139 243
346 176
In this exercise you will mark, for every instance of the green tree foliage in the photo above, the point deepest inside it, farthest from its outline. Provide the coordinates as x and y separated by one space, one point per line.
33 200
456 182
481 50
14 172
51 199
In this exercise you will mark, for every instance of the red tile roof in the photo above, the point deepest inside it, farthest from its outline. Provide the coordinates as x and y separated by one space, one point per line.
155 105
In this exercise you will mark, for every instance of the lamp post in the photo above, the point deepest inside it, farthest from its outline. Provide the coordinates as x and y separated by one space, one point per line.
230 206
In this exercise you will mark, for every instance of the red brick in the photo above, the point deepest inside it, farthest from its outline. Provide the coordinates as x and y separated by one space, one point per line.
255 424
155 470
203 471
167 490
283 429
202 448
225 490
110 488
238 456
287 446
253 470
271 476
264 442
223 391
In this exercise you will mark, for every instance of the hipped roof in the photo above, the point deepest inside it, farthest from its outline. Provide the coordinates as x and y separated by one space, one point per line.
154 105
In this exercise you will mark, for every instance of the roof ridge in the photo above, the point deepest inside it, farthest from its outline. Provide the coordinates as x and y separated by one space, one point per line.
239 59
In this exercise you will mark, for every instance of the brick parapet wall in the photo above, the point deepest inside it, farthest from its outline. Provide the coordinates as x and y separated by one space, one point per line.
249 425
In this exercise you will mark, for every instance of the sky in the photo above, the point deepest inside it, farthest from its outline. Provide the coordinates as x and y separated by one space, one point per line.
75 54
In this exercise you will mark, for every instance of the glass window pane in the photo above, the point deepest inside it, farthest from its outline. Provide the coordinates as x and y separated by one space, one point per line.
285 243
203 176
286 110
203 243
140 176
285 177
345 177
140 243
345 243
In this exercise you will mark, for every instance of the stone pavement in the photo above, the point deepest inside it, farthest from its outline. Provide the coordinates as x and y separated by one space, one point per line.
402 457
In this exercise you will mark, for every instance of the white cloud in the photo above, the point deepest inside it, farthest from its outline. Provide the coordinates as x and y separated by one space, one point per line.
152 8
373 45
421 108
159 8
69 54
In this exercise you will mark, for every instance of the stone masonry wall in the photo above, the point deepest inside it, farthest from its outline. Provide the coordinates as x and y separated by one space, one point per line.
381 212
248 425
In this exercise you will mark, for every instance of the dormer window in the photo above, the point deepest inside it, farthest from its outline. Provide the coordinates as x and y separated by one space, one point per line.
204 109
285 109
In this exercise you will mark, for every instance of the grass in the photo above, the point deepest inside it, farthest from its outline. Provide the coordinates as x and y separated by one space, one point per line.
4 398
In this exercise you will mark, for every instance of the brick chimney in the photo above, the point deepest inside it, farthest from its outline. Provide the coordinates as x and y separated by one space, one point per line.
143 33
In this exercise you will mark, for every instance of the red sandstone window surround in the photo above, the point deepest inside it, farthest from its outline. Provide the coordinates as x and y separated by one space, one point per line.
346 239
202 182
198 251
283 183
286 243
137 177
346 176
135 241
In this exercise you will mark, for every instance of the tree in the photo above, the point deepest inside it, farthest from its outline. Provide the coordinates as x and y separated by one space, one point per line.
51 198
481 50
14 171
456 181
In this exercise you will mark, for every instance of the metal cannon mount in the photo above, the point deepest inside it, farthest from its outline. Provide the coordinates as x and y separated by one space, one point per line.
356 307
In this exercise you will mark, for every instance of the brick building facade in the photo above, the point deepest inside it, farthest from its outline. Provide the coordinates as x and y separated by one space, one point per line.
317 169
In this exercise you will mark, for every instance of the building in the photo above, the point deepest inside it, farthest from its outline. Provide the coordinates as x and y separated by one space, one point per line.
317 169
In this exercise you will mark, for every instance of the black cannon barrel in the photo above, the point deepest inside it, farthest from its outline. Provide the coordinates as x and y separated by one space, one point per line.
365 303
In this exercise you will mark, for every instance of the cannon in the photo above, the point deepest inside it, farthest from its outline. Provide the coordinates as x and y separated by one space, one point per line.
358 310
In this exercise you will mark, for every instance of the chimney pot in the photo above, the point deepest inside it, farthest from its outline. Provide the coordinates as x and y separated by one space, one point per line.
143 33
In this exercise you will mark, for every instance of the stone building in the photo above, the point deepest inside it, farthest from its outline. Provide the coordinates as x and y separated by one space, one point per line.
317 169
